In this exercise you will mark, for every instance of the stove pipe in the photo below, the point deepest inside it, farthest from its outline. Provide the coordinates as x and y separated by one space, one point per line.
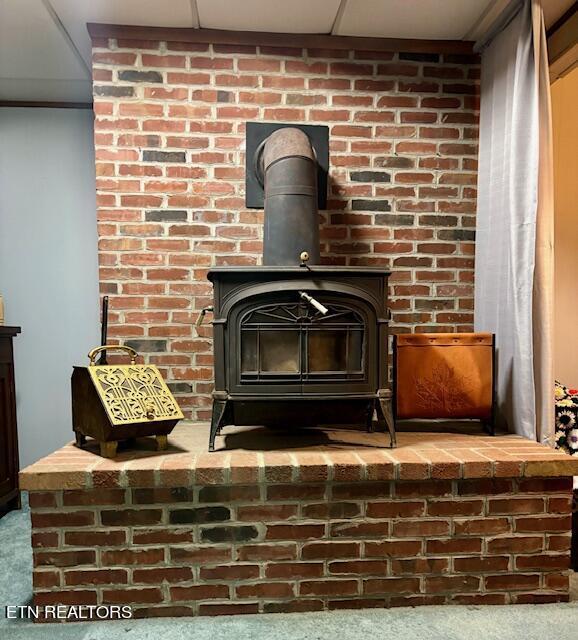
289 171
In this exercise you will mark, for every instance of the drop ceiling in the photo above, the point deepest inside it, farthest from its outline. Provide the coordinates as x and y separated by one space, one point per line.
45 48
410 18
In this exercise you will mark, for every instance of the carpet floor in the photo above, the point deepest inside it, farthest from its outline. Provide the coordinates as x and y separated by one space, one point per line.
513 622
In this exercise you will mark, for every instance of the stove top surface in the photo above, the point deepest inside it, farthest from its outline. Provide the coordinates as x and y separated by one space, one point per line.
318 269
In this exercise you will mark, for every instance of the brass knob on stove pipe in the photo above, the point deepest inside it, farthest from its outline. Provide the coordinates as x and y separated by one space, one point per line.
311 300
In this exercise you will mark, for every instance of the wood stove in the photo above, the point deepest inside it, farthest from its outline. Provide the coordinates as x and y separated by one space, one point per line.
298 344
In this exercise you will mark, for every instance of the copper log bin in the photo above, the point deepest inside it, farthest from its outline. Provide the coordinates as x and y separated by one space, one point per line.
111 403
445 376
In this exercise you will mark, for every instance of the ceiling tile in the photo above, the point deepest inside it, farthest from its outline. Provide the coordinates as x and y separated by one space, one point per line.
427 19
32 46
74 15
281 16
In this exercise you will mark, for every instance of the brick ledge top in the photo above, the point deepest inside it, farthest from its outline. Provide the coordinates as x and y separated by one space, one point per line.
338 456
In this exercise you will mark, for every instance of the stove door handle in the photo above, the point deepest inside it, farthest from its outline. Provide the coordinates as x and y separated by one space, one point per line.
311 300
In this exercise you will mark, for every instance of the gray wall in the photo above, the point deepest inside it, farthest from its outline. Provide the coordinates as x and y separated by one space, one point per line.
48 263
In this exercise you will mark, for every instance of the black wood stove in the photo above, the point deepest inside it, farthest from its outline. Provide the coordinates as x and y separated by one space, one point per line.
296 343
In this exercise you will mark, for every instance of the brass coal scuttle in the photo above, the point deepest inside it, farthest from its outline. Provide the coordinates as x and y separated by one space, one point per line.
118 402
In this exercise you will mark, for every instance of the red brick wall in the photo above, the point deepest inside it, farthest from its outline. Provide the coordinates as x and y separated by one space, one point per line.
169 135
270 547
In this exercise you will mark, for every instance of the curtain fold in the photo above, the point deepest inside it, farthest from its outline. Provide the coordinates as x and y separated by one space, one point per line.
543 310
514 265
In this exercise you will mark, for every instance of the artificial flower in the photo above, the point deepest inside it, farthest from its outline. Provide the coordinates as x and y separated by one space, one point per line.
560 392
567 402
565 420
560 438
573 439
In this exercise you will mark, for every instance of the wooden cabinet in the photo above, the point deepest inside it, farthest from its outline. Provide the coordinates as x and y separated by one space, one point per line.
9 492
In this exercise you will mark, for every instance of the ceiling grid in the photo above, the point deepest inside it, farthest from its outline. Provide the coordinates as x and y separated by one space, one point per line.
45 49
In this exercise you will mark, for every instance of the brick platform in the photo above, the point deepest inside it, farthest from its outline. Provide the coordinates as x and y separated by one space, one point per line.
333 521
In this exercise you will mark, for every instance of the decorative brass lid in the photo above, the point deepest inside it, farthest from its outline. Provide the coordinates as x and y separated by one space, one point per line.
133 393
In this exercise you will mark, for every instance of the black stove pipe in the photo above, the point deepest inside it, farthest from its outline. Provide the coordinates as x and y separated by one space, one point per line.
289 171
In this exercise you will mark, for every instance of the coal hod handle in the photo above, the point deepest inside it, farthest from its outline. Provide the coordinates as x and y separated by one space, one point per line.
108 347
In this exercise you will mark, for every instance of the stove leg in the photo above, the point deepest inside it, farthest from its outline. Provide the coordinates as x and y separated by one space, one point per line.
385 403
80 439
219 407
369 416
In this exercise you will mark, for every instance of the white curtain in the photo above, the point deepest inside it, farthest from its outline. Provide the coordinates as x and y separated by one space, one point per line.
514 242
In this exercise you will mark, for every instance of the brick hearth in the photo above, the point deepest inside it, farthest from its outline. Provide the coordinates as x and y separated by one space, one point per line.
332 521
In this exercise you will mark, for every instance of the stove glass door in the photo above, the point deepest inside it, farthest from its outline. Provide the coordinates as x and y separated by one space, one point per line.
292 342
335 350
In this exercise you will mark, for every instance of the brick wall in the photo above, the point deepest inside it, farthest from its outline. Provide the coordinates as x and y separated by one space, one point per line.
169 136
272 546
